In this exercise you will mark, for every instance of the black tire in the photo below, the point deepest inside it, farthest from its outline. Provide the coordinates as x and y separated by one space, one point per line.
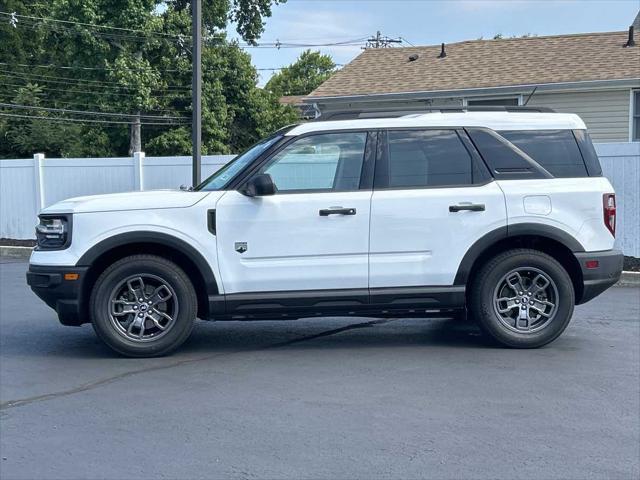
112 330
487 281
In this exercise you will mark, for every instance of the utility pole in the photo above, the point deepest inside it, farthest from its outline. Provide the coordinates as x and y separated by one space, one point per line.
380 41
196 89
135 138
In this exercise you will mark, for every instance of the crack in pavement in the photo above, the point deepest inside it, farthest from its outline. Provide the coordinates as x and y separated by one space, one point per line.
106 381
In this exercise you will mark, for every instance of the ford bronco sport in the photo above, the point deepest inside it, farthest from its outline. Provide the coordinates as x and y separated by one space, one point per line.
505 214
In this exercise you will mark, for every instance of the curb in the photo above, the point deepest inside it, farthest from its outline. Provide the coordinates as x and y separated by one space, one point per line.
628 279
15 252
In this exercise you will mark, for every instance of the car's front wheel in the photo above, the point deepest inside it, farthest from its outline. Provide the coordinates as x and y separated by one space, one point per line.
143 306
522 298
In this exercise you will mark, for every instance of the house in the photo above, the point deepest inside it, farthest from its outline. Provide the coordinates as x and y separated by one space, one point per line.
596 75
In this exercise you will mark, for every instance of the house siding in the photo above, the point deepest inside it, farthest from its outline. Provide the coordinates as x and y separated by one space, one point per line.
605 112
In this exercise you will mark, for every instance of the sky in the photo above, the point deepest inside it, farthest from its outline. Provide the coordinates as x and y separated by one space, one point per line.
428 22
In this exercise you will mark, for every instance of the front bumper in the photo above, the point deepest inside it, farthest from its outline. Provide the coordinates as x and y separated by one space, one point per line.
606 274
64 296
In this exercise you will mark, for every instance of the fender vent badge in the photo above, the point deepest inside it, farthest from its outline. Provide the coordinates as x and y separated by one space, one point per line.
241 247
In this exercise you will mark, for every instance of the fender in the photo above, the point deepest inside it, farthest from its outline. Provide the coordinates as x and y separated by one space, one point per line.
515 230
157 238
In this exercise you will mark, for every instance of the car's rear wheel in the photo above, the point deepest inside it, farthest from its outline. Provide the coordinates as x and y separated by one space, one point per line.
143 306
522 298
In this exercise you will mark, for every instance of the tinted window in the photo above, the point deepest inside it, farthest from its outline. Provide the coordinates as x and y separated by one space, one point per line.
427 158
504 161
330 161
556 150
588 153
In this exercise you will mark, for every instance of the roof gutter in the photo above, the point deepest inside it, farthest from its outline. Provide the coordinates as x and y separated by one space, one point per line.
427 95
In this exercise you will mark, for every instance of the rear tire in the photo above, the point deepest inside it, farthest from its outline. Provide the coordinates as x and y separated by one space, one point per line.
522 298
143 306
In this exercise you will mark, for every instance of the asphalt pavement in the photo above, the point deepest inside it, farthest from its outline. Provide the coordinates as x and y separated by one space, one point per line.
320 398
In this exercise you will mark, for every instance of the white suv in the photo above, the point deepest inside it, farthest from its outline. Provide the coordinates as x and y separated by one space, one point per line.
505 214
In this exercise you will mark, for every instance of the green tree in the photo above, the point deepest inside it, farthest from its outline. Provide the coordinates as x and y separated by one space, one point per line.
144 70
303 76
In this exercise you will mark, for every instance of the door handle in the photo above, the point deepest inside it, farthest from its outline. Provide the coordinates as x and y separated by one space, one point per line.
473 207
325 212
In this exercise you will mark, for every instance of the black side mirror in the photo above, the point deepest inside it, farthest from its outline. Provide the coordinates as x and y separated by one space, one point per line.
259 186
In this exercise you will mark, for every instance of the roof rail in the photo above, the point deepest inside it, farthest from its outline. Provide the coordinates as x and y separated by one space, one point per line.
382 113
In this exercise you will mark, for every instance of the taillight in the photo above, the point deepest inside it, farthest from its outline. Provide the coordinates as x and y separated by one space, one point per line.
609 210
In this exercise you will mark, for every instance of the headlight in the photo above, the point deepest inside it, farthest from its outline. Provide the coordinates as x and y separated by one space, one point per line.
53 232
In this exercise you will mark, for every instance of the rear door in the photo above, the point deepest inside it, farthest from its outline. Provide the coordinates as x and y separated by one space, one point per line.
433 198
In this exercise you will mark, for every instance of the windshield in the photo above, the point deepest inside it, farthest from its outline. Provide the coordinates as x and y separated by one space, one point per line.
223 176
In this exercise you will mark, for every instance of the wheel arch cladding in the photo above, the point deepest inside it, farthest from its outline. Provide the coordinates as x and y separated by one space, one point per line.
550 240
103 254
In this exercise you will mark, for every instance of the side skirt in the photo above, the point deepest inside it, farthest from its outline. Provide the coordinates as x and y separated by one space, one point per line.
379 302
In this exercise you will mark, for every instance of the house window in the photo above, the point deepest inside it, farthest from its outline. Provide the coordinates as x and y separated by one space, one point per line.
493 102
635 120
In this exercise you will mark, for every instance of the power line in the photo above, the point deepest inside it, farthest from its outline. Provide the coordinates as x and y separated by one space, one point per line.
66 104
165 95
32 22
69 67
66 80
87 112
106 35
404 40
144 32
25 65
93 25
86 120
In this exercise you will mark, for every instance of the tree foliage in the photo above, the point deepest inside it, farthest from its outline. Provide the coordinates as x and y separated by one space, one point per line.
302 77
144 69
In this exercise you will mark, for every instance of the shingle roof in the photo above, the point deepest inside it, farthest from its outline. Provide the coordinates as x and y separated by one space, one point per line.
291 99
487 63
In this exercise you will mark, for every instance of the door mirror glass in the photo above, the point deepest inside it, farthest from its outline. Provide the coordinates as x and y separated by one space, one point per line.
259 186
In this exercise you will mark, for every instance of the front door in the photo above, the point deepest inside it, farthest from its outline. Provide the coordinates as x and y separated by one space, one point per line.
313 234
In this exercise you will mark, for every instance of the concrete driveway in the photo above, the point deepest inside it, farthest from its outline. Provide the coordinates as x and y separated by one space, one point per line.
321 398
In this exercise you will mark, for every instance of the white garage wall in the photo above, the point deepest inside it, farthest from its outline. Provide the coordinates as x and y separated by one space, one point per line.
28 185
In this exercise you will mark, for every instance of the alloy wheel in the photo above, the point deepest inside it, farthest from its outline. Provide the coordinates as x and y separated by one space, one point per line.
143 307
526 300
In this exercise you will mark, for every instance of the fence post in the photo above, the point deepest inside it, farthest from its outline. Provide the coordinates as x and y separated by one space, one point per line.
138 166
38 160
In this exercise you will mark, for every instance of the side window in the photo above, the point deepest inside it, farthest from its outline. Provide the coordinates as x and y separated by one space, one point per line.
329 161
556 150
506 161
426 158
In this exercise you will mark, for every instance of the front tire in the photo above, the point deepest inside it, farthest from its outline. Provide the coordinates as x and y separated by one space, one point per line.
522 298
143 306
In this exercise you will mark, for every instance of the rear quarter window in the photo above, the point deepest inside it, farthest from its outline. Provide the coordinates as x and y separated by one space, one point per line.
555 150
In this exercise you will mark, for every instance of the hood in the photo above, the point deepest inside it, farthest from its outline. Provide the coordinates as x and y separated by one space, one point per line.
127 201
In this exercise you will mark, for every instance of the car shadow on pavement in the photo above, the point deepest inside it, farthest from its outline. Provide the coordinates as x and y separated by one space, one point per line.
238 336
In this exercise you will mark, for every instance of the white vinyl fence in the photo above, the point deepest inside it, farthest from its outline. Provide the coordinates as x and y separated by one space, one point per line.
26 186
621 165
